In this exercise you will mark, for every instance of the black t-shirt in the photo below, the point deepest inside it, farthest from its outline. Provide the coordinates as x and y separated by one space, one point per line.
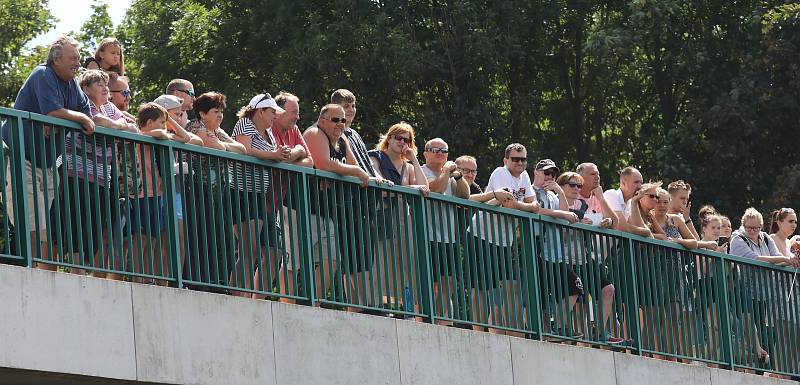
475 189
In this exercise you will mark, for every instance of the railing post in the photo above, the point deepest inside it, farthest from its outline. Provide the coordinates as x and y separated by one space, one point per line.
529 259
630 292
723 309
172 230
301 188
420 229
18 177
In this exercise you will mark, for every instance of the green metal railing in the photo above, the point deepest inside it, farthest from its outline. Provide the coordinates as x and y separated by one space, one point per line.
226 222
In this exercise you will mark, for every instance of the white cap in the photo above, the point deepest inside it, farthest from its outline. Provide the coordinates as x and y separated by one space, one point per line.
264 101
168 101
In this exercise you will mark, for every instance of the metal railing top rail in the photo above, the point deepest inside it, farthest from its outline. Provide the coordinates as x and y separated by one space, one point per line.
399 189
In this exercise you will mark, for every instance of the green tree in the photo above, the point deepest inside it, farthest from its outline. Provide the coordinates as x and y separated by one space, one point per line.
98 27
22 20
679 89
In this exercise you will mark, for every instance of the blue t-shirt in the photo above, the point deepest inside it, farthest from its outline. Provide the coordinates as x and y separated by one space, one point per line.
42 93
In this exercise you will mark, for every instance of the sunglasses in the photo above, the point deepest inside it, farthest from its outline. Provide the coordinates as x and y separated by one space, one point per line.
438 150
263 98
550 172
126 92
338 120
652 196
401 138
575 185
188 92
520 159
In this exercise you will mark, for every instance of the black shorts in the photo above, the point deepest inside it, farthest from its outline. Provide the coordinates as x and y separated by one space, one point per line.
445 259
81 215
594 277
557 279
248 205
356 247
486 264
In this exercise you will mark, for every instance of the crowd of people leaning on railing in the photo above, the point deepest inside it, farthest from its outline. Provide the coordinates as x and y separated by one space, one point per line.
267 129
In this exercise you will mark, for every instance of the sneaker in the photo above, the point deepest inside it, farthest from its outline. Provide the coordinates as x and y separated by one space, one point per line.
611 340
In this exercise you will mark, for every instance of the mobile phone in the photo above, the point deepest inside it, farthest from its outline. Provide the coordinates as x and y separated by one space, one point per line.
722 241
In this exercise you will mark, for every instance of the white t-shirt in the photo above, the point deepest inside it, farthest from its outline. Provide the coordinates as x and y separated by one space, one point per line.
442 225
617 202
499 229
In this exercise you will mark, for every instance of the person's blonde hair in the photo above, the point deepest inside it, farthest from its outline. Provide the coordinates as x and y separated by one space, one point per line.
397 128
105 43
751 212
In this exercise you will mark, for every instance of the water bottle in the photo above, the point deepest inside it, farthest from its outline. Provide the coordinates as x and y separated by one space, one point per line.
408 304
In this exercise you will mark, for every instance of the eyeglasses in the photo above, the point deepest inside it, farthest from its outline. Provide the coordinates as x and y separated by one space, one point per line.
752 228
575 185
338 120
467 170
520 159
125 93
188 92
438 150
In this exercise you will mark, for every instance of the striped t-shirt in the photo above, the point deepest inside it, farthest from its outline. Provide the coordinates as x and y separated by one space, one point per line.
99 160
248 176
359 149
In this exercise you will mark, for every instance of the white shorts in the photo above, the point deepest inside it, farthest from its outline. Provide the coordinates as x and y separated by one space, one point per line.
41 207
323 239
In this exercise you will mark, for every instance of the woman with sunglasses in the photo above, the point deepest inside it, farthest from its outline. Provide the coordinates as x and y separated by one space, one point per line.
655 293
582 259
395 159
750 300
783 223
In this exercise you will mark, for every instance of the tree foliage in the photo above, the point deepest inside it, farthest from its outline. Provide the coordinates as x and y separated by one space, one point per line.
94 29
706 91
21 21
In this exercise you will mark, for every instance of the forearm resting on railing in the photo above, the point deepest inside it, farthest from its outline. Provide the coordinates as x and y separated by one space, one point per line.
181 135
121 124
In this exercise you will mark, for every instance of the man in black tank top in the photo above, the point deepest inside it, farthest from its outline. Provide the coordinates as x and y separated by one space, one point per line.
331 202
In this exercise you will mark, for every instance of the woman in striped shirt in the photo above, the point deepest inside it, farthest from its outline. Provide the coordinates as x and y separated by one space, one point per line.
251 192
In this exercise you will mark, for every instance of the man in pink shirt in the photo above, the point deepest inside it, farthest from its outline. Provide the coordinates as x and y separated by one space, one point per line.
284 130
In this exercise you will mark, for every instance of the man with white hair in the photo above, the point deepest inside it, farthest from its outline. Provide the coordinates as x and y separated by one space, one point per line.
51 89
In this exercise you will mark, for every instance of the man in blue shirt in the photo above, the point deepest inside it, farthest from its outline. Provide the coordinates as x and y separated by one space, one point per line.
51 89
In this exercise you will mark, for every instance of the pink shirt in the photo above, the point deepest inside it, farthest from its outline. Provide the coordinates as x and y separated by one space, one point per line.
291 138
